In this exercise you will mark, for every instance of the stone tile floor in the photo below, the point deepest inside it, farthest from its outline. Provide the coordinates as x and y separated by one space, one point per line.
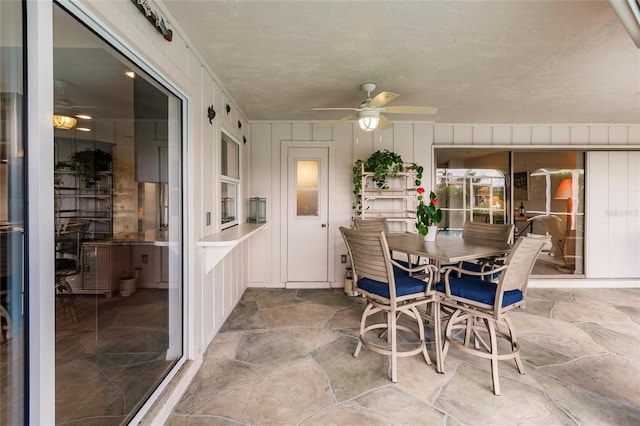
284 357
110 357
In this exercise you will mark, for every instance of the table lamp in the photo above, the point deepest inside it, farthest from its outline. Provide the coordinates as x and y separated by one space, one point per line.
565 192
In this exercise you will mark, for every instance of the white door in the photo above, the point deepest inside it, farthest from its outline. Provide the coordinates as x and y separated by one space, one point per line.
307 214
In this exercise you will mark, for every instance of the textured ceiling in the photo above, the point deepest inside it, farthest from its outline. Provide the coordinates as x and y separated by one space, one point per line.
479 62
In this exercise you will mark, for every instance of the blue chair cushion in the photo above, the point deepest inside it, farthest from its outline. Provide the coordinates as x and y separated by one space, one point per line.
477 267
405 285
475 288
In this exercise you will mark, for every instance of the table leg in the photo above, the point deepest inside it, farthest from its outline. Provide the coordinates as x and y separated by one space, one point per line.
437 332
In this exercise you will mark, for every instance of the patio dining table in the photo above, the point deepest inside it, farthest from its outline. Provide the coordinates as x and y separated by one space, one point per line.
446 249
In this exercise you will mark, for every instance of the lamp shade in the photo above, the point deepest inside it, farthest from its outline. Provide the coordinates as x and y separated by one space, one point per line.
368 120
564 190
63 122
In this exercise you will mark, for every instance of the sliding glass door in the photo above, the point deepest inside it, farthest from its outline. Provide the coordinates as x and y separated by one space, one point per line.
540 192
118 226
12 214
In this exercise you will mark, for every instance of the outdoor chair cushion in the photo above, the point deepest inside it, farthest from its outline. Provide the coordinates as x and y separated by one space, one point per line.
475 288
405 285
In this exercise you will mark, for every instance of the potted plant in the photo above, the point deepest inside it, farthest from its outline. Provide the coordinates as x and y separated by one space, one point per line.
87 164
428 215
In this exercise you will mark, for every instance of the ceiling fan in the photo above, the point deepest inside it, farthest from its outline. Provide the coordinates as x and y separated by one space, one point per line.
369 113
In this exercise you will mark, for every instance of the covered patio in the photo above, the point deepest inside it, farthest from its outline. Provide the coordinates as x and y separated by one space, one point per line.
285 357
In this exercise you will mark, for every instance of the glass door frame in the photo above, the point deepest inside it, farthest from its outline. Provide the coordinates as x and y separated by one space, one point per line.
40 302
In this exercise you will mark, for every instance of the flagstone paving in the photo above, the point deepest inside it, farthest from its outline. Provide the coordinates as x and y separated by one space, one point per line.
284 357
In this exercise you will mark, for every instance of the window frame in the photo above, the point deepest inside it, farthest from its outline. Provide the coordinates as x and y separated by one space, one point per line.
232 181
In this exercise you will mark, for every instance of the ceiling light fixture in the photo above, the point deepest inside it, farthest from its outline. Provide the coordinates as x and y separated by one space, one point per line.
84 116
83 129
63 122
130 74
368 120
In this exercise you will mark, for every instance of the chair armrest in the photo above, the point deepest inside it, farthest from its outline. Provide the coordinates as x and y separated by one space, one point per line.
417 268
426 270
448 269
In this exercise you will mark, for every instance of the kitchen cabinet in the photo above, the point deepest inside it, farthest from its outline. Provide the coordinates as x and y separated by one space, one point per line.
103 266
151 132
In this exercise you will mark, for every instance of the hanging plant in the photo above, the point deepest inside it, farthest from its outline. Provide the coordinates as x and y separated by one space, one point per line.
383 164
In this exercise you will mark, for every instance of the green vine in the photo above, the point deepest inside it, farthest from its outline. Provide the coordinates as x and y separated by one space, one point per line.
382 164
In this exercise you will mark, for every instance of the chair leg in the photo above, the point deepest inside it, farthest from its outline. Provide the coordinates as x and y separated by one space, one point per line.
515 347
6 327
437 332
363 323
391 324
65 296
447 332
494 355
421 336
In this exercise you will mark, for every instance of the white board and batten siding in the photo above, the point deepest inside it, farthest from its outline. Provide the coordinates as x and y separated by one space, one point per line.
415 142
552 135
612 231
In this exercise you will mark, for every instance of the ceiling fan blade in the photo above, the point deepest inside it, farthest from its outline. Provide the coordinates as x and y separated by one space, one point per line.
334 109
348 117
411 110
383 98
384 123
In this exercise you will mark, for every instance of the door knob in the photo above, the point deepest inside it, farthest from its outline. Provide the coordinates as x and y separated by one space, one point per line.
324 225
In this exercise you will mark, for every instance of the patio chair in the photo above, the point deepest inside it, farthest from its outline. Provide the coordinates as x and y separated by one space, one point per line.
68 263
391 292
488 232
480 308
375 224
378 224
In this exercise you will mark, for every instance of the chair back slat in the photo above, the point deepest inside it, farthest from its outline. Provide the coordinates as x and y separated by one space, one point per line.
374 224
370 256
521 260
488 231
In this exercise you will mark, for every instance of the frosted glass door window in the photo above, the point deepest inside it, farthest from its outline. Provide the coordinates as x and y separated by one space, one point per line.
307 178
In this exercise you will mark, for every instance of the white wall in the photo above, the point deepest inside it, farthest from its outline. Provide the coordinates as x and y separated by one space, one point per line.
528 135
412 141
612 231
415 141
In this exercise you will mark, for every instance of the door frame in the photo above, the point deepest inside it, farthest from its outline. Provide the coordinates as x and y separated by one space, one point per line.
284 173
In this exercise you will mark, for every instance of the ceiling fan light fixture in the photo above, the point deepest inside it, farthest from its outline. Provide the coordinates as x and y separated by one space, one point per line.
63 122
368 120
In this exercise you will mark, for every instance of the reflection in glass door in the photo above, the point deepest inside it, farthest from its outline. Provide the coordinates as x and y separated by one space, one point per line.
118 229
12 203
540 192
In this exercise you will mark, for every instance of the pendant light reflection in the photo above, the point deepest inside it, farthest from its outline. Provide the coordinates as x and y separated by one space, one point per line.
63 122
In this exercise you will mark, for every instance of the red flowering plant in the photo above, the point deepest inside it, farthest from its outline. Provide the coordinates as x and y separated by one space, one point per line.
427 214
